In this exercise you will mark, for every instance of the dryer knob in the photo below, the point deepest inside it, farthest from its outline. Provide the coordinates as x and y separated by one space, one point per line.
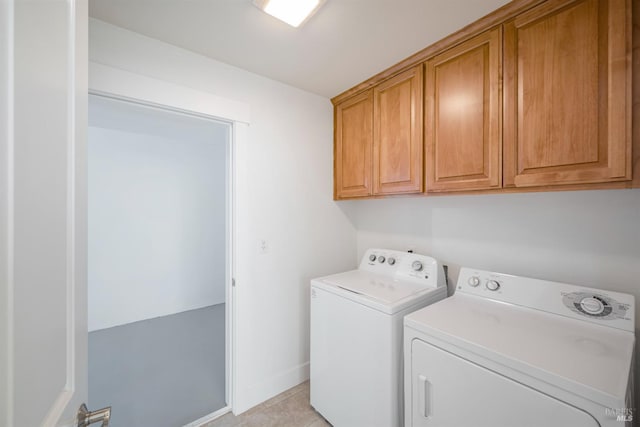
492 285
381 259
372 257
474 281
592 305
391 261
416 265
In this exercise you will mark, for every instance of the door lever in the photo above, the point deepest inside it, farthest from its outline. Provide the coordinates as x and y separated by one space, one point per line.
86 417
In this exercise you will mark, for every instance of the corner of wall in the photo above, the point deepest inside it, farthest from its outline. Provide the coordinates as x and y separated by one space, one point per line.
257 393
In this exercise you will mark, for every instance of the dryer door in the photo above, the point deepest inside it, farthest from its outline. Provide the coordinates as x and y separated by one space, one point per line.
449 391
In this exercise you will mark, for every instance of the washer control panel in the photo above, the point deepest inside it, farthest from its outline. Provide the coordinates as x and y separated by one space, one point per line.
404 265
607 308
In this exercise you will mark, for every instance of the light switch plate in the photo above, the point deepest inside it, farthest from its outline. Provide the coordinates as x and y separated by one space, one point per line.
263 247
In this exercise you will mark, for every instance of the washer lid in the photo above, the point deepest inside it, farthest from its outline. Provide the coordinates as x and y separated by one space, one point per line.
585 359
381 292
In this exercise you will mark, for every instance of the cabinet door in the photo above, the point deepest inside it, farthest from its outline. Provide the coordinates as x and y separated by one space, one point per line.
353 143
397 135
567 85
463 116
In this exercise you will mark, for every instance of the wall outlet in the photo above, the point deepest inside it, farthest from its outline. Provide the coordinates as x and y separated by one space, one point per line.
263 247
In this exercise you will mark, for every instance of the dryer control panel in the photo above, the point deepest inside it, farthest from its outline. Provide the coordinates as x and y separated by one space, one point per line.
598 306
594 304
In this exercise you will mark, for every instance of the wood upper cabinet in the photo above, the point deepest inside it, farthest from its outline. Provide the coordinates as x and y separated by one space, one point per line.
397 134
537 95
463 116
353 145
567 117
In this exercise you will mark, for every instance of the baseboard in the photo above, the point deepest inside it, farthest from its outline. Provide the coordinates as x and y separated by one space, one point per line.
255 394
208 418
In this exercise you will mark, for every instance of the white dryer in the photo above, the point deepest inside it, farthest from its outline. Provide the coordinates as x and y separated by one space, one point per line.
356 335
508 351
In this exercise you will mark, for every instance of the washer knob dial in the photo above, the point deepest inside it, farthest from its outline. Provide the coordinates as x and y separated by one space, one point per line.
372 257
381 259
474 281
391 261
416 265
592 305
492 285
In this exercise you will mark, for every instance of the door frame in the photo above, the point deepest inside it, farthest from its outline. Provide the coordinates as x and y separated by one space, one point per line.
134 88
6 210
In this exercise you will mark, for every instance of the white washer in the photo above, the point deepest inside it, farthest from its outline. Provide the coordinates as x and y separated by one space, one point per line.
356 335
508 351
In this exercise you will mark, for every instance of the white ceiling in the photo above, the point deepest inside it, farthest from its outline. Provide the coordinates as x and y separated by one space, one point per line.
343 44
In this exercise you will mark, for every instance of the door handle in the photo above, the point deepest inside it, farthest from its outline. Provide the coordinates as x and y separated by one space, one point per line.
86 417
424 396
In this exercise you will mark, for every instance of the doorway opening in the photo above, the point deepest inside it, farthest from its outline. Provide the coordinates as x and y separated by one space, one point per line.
159 263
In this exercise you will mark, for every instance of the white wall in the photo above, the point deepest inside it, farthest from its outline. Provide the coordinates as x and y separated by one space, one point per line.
284 191
156 213
588 238
591 238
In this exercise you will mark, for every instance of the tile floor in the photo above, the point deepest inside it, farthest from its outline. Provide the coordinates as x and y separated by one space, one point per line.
288 409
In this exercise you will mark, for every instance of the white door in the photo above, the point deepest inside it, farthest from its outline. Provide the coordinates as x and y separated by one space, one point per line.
449 391
43 231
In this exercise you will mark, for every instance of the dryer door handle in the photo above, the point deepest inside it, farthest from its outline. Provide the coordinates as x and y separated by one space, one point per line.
424 396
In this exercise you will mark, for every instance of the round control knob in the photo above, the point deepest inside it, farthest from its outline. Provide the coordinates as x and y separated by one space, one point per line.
474 281
381 259
592 305
391 261
416 265
372 257
492 285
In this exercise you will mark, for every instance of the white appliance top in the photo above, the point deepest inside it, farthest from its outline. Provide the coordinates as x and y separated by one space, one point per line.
388 280
551 331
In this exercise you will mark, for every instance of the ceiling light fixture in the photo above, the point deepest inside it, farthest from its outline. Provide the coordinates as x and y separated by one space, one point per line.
293 12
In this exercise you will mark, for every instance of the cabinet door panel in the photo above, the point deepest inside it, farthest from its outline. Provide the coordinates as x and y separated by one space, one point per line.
397 141
353 142
463 116
567 112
